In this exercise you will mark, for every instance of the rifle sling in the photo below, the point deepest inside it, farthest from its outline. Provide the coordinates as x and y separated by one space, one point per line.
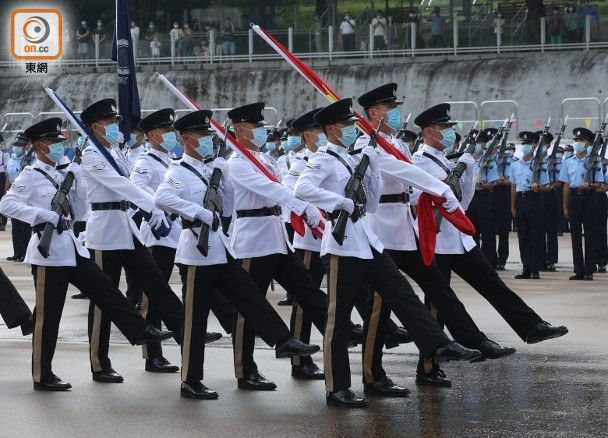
160 160
194 171
437 161
47 176
340 159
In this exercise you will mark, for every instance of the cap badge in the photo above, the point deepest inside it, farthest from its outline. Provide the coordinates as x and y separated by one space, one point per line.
113 108
171 117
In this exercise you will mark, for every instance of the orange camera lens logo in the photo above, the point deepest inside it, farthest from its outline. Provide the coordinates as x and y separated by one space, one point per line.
36 34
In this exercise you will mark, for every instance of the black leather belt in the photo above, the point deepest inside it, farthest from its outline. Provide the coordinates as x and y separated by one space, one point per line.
173 216
186 224
498 188
581 192
62 226
122 206
259 212
528 194
399 198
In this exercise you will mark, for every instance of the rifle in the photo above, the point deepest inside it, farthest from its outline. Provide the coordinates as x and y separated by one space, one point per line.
553 161
453 179
403 127
594 157
212 203
502 157
28 159
537 166
604 148
354 189
489 156
59 205
468 139
417 144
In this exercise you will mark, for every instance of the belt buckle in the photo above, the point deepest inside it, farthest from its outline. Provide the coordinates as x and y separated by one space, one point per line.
124 205
523 194
579 191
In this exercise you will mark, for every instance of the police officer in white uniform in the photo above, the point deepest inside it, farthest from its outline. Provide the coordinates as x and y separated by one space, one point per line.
360 261
113 237
29 199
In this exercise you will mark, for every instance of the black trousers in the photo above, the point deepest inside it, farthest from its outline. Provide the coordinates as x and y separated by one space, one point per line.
501 206
13 309
289 271
602 241
481 214
3 219
51 288
148 274
380 274
584 212
530 232
21 233
551 218
134 292
473 268
200 285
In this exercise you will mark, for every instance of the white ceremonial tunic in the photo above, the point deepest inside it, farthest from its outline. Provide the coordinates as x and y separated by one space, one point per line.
393 223
132 155
286 161
322 183
111 229
32 192
182 192
147 174
449 239
259 236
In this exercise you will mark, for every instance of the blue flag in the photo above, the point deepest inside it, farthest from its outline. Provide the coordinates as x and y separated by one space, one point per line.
122 53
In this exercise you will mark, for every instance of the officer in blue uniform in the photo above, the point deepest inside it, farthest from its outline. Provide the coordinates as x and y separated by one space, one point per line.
501 205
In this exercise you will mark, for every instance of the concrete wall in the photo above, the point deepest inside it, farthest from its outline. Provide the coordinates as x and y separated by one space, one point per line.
538 82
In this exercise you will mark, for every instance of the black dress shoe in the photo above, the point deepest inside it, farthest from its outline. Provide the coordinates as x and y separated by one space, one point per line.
534 276
197 390
386 388
399 336
345 398
309 371
551 267
287 301
543 331
108 376
522 276
160 365
588 277
601 268
436 377
13 258
500 267
212 337
52 383
455 351
355 336
27 326
80 296
21 259
491 350
293 347
151 335
257 382
576 277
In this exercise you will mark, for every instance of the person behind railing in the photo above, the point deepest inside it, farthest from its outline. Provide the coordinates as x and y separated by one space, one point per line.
571 32
317 31
185 40
149 37
588 8
412 20
499 20
391 32
135 31
379 26
347 32
536 10
83 36
102 38
228 41
155 46
69 36
437 28
556 26
174 35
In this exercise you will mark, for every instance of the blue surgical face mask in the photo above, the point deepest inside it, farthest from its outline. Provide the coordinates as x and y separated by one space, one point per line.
527 149
259 136
509 152
579 147
132 140
18 150
543 150
56 151
321 140
112 132
205 146
271 146
589 148
448 137
567 155
80 142
293 141
393 119
559 155
169 141
349 136
478 148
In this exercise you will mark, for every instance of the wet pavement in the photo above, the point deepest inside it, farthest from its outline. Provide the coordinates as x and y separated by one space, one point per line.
557 388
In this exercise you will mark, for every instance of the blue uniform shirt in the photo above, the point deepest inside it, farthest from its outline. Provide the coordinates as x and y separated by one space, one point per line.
13 166
573 172
521 175
489 173
508 172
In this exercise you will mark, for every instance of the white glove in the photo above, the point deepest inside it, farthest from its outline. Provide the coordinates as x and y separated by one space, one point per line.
76 170
48 216
313 216
347 205
451 204
373 157
206 216
121 138
82 237
467 159
158 217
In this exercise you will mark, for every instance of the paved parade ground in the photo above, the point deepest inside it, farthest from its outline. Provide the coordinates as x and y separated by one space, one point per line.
558 388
